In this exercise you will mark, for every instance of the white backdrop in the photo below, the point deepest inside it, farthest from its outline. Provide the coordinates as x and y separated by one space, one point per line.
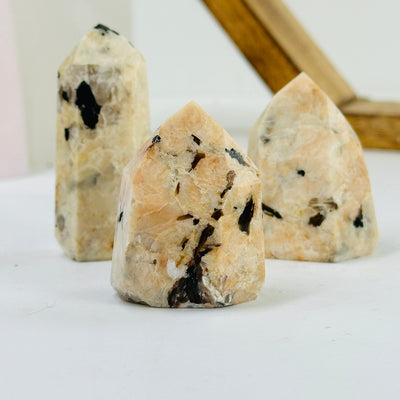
190 57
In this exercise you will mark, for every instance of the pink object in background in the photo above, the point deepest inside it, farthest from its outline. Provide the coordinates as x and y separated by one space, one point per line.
13 148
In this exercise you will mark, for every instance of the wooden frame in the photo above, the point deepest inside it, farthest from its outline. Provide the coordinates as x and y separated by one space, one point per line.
278 48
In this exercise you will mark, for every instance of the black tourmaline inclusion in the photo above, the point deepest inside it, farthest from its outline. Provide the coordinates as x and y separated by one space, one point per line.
270 211
198 156
183 217
87 104
190 287
322 208
217 214
246 216
64 95
105 29
196 140
230 177
358 222
316 220
236 156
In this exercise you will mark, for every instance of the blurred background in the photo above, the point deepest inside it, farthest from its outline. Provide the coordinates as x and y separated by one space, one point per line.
188 54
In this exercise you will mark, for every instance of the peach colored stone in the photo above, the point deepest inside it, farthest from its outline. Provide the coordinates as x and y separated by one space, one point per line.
189 230
102 121
317 199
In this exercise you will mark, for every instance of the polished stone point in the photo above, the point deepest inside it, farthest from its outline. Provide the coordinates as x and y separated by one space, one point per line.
189 226
102 121
316 194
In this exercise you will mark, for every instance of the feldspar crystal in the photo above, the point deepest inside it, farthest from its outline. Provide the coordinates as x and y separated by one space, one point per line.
102 121
316 196
189 229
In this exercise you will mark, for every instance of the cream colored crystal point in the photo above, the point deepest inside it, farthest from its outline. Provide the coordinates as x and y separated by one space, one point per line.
102 121
317 201
189 229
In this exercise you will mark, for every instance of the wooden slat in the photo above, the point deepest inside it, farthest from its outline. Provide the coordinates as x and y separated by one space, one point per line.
376 123
265 55
281 24
368 107
279 49
276 45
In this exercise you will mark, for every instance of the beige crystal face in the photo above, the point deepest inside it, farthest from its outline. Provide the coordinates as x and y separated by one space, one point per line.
102 121
189 230
317 199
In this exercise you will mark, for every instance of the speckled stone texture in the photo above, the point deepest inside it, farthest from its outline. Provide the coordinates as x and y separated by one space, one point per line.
317 201
189 229
102 121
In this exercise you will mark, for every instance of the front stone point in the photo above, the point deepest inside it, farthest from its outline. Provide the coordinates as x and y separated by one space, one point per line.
189 227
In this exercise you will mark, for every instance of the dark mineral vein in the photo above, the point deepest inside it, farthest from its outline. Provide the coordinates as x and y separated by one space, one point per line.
301 172
236 156
265 138
331 205
230 177
358 222
325 205
184 241
322 208
65 96
183 217
63 93
269 126
198 156
217 214
246 216
196 139
191 287
270 211
87 104
105 29
316 220
156 139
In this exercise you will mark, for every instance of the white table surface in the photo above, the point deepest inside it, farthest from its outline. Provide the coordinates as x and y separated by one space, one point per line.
317 331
